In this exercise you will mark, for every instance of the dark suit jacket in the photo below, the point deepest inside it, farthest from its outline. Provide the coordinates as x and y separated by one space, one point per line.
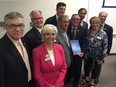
33 38
81 34
13 72
85 25
109 31
51 20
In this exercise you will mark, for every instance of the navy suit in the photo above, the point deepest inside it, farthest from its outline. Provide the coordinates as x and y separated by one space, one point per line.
51 20
85 24
77 61
33 38
13 72
109 31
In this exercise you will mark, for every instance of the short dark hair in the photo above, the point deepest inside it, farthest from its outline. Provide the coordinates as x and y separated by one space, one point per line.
82 9
60 4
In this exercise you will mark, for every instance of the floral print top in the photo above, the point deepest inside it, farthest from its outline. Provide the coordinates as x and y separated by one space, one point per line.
97 45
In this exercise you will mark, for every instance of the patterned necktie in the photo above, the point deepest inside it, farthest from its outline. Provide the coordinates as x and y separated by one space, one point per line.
66 38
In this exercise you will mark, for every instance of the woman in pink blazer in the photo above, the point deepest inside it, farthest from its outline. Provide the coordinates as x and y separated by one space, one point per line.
49 66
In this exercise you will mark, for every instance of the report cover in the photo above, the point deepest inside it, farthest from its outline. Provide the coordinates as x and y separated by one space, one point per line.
75 47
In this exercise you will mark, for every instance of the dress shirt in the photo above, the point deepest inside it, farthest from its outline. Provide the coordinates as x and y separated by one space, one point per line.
39 29
81 23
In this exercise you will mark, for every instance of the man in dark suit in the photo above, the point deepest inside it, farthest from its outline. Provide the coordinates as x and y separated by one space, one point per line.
77 32
109 31
15 63
33 37
63 39
107 28
60 9
82 13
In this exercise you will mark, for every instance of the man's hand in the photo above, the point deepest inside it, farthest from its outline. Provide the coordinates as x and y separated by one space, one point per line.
81 54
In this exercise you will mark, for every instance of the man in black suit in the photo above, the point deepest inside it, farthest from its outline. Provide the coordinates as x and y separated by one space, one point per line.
33 37
107 28
15 63
77 32
109 31
82 13
60 9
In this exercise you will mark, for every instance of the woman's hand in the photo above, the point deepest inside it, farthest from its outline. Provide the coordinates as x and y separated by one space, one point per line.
99 62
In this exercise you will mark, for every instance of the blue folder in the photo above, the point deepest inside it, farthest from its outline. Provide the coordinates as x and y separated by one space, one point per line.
75 45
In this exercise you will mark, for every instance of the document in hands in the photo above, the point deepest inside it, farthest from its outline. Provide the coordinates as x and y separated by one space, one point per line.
75 47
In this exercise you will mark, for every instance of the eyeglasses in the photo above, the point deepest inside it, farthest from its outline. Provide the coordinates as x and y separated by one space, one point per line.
39 18
75 19
13 26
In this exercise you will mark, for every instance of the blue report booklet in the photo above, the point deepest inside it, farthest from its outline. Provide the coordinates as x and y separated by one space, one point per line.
75 47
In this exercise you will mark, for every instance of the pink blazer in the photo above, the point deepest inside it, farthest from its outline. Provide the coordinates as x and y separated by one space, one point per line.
45 74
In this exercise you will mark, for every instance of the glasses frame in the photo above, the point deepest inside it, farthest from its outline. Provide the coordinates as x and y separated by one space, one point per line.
13 26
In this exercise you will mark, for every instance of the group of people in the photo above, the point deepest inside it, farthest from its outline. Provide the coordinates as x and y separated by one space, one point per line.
43 56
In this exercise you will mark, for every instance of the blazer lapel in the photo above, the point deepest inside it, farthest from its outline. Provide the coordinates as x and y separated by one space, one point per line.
55 55
45 56
61 34
37 33
13 50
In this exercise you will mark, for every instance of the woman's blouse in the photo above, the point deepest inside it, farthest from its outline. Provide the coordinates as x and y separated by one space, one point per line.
97 45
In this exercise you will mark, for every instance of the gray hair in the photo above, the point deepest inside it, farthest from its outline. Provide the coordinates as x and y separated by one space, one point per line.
34 11
12 15
61 17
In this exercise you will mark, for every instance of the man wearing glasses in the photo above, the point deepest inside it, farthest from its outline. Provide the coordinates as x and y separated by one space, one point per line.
33 37
15 63
77 32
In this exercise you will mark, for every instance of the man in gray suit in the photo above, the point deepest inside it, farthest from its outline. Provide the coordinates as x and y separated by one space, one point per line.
63 39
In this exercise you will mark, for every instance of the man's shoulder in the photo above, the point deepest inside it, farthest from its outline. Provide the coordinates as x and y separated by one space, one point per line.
30 32
108 26
51 18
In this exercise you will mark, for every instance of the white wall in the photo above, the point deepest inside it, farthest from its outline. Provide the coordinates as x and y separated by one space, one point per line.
48 9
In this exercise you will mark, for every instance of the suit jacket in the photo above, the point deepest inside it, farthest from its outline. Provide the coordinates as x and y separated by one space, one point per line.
61 40
33 38
51 20
13 72
45 74
81 34
85 24
109 31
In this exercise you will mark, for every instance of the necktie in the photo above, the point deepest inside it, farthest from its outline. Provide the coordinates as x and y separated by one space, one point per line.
25 58
74 33
66 38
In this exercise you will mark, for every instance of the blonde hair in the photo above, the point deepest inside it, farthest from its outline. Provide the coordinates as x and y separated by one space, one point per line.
48 28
